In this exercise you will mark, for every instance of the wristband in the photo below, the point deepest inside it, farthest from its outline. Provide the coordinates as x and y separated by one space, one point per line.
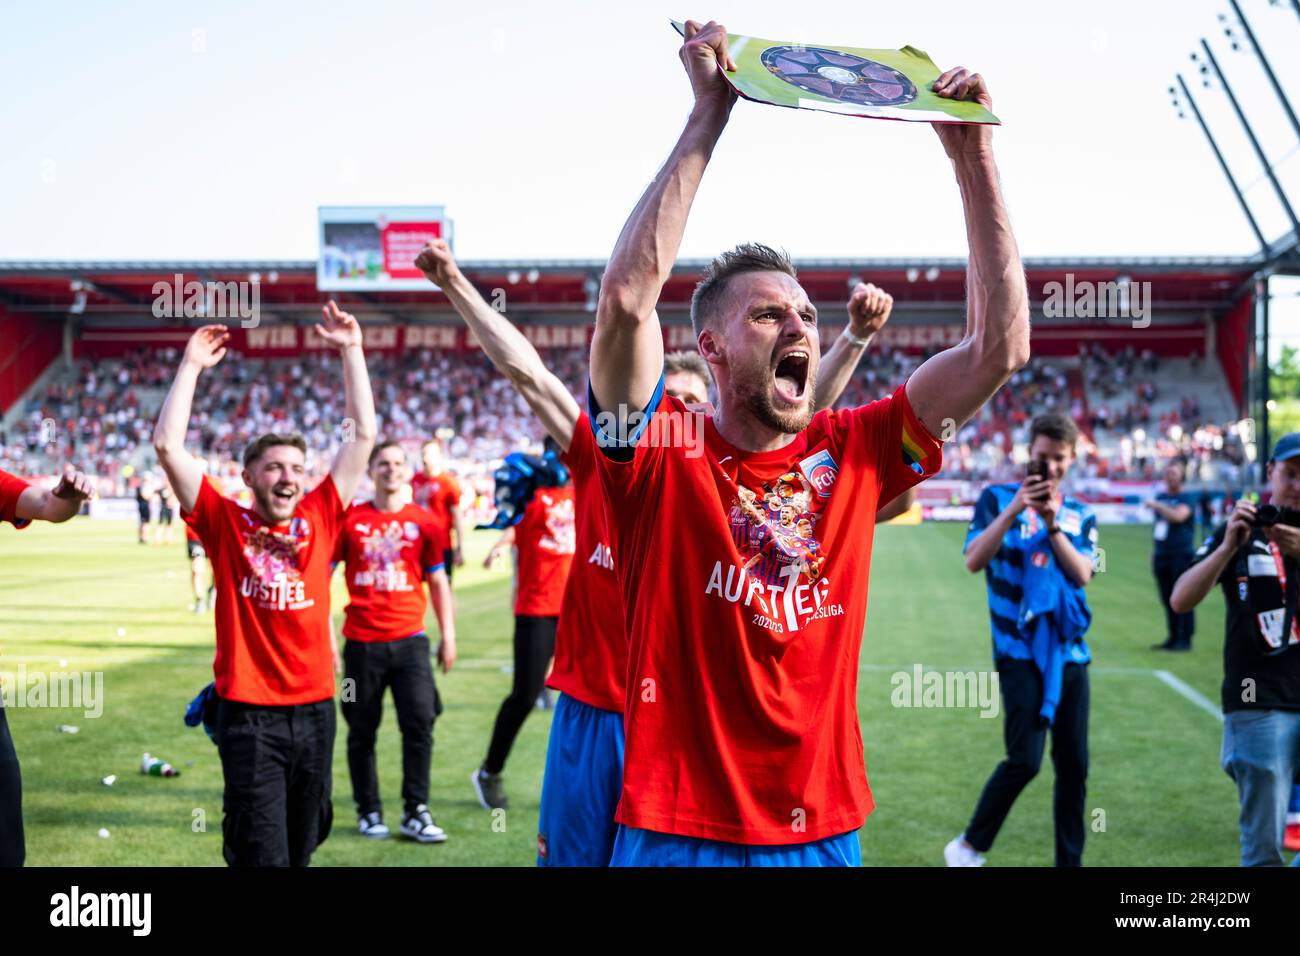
854 340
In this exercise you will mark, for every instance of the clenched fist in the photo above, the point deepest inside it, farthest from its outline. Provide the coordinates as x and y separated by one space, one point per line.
74 486
704 50
869 307
437 263
964 140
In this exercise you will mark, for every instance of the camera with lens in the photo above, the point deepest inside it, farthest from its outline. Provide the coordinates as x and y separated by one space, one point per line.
1266 516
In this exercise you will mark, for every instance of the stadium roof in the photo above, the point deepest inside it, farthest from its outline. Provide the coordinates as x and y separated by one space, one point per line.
550 289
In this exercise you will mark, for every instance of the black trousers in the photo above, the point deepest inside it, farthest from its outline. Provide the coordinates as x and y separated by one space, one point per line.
1168 568
404 666
534 648
13 848
277 767
1026 734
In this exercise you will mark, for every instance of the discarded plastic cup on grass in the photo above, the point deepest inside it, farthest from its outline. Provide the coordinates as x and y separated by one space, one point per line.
155 767
103 833
69 729
109 780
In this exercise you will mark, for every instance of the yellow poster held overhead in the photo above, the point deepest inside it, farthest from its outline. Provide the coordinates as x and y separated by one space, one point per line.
879 84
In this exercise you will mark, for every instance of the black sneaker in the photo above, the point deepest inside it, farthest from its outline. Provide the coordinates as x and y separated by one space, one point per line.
419 826
488 787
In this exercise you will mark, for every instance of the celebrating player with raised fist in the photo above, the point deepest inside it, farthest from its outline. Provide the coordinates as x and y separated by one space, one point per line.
584 762
742 677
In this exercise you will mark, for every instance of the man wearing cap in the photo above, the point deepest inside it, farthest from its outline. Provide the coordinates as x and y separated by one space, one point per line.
1259 570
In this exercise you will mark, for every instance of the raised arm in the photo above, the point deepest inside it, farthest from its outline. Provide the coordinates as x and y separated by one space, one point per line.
627 350
57 504
869 309
206 347
511 353
342 330
951 387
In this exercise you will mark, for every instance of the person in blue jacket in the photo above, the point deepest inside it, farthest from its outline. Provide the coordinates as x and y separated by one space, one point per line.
1036 548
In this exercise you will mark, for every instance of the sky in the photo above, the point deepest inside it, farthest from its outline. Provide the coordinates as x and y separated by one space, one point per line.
215 130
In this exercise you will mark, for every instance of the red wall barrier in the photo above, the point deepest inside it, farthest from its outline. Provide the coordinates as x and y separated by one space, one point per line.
1232 336
27 347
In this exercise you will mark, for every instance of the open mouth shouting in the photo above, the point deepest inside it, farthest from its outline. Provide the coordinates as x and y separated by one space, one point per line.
284 494
790 375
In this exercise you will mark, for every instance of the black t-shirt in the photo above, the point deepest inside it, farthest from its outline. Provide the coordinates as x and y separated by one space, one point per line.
1252 591
1176 539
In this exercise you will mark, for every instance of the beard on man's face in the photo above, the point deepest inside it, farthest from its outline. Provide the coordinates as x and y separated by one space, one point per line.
754 388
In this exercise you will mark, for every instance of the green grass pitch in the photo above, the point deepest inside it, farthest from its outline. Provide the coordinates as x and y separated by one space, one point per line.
86 594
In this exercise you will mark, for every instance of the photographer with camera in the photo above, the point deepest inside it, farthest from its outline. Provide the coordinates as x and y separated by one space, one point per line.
1255 556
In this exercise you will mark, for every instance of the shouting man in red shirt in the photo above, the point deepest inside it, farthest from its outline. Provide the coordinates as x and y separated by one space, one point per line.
21 504
743 743
390 551
271 565
584 756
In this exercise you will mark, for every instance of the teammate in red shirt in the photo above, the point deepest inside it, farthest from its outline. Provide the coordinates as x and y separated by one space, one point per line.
584 761
743 743
22 503
390 551
438 491
271 564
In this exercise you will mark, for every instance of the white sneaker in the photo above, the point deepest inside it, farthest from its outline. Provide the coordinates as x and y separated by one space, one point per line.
372 825
960 853
419 826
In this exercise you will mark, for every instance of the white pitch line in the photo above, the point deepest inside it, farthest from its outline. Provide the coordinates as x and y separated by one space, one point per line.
1195 696
1092 668
1165 677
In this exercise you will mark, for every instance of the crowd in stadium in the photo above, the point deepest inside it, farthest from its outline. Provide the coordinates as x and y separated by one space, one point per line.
106 414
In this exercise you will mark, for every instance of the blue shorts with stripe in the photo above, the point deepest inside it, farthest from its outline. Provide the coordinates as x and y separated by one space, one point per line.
581 785
633 847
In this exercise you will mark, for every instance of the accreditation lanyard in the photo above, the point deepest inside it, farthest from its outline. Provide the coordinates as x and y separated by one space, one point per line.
1295 625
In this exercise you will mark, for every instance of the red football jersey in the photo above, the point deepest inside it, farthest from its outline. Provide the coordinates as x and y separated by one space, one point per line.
273 596
440 496
744 578
11 488
545 540
590 643
385 556
190 534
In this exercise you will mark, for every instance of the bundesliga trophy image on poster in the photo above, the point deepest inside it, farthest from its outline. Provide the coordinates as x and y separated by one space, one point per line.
441 445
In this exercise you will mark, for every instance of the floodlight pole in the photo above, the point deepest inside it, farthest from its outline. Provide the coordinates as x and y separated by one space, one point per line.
1223 164
1250 133
1261 304
1268 69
